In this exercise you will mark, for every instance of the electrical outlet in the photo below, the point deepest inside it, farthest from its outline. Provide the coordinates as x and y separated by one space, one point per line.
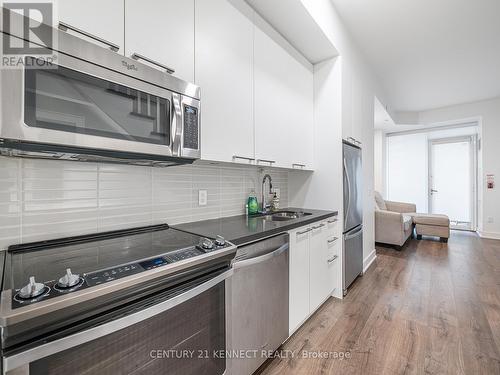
202 197
491 220
277 191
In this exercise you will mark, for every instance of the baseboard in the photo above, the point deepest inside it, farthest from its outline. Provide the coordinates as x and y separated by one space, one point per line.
489 235
369 260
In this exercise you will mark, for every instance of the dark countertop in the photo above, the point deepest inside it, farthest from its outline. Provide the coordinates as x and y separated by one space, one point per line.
242 229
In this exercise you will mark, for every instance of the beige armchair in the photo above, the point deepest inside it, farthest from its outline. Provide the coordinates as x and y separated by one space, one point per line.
393 221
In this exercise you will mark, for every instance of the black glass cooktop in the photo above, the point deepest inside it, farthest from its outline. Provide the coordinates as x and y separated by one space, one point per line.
48 261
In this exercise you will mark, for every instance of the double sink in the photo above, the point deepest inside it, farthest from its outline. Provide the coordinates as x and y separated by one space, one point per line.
282 215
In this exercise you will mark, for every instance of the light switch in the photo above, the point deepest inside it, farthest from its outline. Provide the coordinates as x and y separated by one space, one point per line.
202 197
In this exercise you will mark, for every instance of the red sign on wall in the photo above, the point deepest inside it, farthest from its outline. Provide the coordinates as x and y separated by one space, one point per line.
490 181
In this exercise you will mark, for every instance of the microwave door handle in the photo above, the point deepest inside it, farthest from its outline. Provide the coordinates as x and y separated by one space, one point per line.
176 124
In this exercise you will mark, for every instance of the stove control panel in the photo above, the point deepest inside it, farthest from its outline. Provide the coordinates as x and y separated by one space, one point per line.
99 277
34 292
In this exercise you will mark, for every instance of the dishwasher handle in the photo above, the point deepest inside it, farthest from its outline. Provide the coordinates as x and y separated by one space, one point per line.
261 258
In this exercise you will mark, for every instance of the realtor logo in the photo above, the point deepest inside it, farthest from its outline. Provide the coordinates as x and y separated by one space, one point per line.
27 35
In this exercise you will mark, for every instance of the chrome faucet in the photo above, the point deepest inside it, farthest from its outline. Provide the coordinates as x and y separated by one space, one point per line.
266 206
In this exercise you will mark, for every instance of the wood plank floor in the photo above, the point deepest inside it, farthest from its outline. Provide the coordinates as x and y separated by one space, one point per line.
432 308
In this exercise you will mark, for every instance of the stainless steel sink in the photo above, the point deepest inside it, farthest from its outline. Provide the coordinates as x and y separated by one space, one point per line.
284 215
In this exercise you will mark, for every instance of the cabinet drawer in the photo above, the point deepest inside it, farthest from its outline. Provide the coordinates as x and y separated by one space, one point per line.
333 225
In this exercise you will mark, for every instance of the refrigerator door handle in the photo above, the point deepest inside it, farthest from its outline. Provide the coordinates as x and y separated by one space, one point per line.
346 214
355 233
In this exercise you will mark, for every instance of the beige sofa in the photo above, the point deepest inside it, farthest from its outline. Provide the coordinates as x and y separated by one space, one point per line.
393 221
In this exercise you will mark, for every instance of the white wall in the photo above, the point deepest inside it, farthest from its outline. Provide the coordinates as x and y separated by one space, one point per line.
379 168
407 169
323 188
334 108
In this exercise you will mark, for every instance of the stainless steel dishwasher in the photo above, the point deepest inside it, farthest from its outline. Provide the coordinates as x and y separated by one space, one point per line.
257 304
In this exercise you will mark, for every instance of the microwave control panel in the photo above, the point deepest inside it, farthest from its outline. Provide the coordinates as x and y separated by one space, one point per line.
191 128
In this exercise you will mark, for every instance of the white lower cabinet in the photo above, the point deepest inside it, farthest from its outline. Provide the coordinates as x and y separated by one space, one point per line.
319 286
315 268
299 277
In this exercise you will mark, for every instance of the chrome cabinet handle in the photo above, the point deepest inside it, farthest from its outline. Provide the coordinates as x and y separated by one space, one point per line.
138 56
333 240
353 140
63 26
319 226
243 157
266 161
298 165
304 231
333 259
332 221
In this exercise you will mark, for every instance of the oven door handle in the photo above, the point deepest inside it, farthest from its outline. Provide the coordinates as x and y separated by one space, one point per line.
25 358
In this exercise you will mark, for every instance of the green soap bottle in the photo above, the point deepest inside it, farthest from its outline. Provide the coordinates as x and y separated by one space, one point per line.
253 204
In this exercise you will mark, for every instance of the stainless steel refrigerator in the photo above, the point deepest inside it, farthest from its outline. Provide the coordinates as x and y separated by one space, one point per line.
353 214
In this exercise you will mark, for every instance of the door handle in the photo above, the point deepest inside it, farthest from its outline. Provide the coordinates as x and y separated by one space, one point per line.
348 193
319 226
63 26
243 157
137 56
266 161
333 259
304 231
433 191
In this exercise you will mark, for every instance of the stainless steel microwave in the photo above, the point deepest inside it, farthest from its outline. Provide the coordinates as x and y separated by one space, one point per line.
93 104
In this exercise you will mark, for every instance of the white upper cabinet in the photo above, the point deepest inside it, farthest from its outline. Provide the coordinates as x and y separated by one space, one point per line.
162 31
354 108
283 106
101 18
224 71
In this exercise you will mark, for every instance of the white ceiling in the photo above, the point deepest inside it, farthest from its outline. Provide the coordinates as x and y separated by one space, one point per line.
429 53
383 120
292 20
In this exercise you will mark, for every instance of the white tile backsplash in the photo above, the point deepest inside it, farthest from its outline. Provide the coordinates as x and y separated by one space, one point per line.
44 199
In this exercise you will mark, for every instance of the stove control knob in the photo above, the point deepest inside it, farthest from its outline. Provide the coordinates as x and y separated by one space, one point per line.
220 241
69 280
207 244
32 290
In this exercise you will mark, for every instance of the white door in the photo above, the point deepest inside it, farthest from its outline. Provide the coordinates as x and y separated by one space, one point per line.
162 31
224 71
100 18
452 180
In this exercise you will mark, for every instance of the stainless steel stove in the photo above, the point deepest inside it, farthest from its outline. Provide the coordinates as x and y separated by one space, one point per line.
93 301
